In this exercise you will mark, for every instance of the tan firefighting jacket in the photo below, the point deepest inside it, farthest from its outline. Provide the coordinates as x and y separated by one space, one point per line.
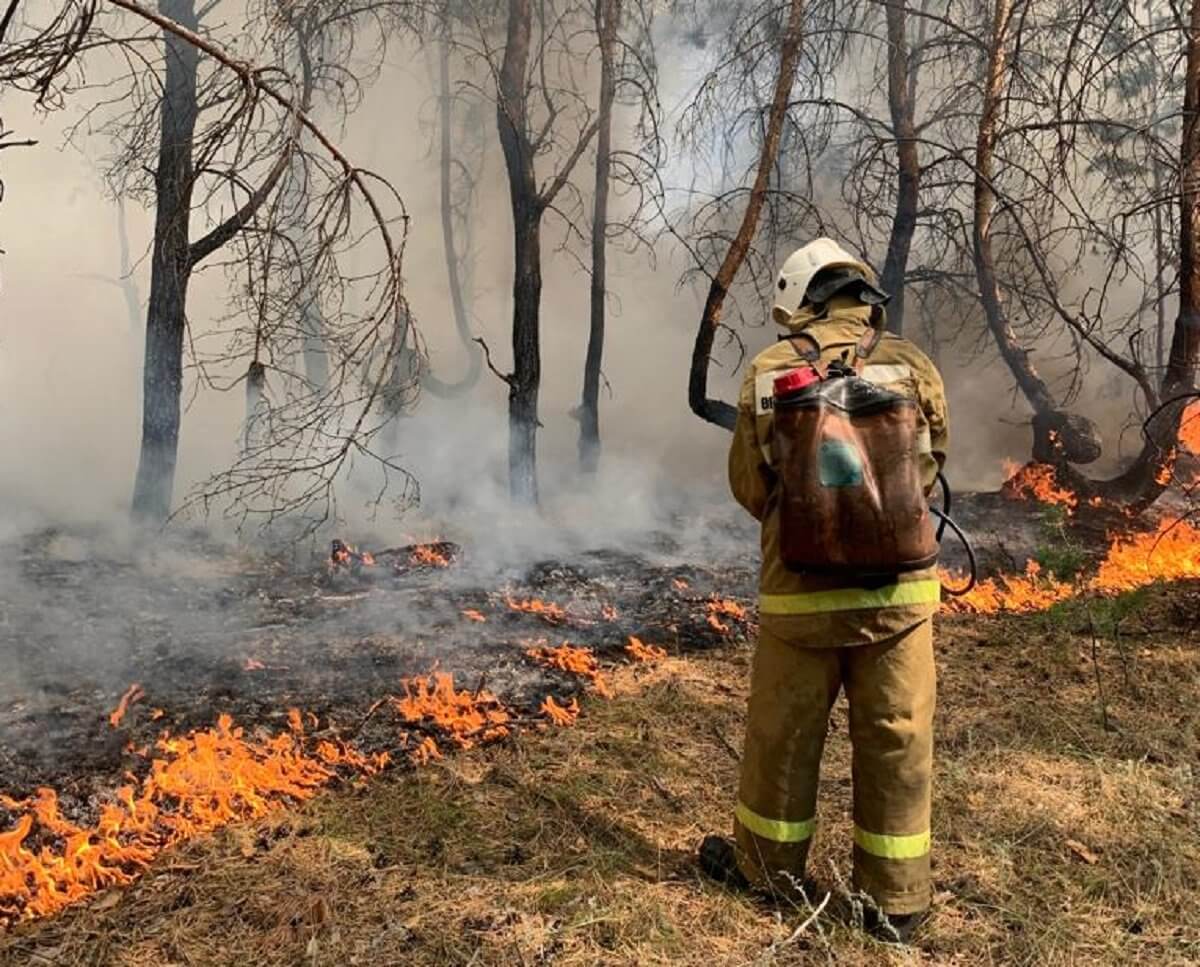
822 610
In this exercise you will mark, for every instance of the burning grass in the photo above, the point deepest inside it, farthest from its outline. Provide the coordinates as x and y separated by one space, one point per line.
1057 841
1169 553
1037 482
577 661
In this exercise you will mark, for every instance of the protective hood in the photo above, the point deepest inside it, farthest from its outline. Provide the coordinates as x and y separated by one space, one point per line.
839 309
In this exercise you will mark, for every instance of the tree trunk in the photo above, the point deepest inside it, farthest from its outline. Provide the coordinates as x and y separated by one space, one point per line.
995 79
1185 342
608 17
901 89
462 322
512 120
527 364
171 266
718 411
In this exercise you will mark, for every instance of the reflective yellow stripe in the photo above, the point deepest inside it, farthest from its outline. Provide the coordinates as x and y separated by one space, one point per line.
927 591
892 847
779 830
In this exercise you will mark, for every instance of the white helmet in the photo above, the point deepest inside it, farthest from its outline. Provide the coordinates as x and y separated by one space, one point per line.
797 272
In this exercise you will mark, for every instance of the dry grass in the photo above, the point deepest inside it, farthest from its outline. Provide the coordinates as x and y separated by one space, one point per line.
1058 840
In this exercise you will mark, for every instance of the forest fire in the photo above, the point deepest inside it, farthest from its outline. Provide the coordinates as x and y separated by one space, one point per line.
199 782
1189 429
1036 481
466 718
1170 553
568 658
639 651
429 556
719 608
133 693
561 715
548 611
342 554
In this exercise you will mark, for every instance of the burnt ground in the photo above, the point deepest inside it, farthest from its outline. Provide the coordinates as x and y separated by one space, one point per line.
205 629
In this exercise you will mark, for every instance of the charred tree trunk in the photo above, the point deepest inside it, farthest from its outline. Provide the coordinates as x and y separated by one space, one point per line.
512 117
901 90
1185 342
170 270
1058 436
718 411
462 322
608 17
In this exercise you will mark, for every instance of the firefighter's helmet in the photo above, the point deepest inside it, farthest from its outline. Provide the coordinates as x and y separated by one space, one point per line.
803 265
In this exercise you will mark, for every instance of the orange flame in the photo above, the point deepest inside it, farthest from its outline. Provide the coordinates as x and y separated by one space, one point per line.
560 714
719 608
1189 428
546 610
428 555
1036 481
199 782
425 752
643 652
680 584
472 615
1170 553
134 693
578 661
252 665
608 612
463 716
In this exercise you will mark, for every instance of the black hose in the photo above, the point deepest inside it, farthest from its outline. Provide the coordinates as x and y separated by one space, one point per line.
972 580
941 479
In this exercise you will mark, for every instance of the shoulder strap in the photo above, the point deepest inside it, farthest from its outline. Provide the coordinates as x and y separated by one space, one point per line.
870 339
805 345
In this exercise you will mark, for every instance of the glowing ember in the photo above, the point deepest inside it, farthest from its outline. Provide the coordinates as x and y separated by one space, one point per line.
608 613
342 554
1036 481
578 661
680 584
465 717
252 665
1167 471
472 615
133 693
428 555
560 714
639 651
546 610
719 608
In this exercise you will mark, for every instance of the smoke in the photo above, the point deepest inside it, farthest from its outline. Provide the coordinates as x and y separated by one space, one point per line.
70 363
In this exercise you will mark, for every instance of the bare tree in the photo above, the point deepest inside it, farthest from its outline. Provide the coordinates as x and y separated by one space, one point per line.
716 411
313 432
540 113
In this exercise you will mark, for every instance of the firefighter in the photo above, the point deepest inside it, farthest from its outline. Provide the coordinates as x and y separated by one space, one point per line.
821 633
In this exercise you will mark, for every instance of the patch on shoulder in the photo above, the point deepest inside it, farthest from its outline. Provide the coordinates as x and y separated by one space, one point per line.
764 389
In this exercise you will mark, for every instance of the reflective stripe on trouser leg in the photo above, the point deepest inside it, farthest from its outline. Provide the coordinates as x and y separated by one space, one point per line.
791 692
891 687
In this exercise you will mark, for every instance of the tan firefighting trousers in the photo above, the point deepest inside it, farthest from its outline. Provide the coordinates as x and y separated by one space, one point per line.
890 686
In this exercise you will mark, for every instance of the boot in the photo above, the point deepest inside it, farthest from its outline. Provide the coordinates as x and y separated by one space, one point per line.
893 928
718 861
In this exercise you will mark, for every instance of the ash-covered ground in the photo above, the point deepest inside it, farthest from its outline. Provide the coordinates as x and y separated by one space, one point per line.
206 629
